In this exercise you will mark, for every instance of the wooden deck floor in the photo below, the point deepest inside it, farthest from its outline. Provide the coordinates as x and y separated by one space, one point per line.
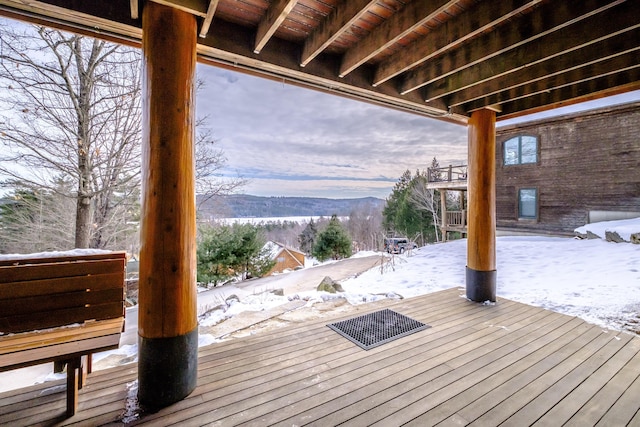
507 364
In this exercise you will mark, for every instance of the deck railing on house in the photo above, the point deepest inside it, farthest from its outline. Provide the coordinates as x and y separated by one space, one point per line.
456 219
447 174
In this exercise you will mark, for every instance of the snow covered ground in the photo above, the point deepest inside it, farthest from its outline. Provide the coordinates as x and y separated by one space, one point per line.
595 280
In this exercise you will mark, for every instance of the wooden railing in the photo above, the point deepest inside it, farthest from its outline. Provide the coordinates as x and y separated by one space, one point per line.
447 174
456 218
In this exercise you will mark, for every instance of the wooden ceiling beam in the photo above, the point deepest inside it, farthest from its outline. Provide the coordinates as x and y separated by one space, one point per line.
398 26
105 20
333 26
194 7
206 24
538 23
135 12
471 23
272 19
553 44
576 76
547 99
622 44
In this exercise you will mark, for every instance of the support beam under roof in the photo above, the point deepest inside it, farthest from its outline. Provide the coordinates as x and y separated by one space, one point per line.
334 25
401 24
619 52
546 45
452 33
276 14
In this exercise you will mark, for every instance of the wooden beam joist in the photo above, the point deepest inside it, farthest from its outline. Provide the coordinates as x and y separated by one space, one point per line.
401 24
588 58
553 44
593 71
270 22
334 25
540 22
94 19
544 98
193 7
206 24
453 33
135 12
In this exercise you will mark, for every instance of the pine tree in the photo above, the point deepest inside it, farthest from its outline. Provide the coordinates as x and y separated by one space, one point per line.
226 251
333 242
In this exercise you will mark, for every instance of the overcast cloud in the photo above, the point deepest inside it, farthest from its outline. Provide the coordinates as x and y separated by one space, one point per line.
290 141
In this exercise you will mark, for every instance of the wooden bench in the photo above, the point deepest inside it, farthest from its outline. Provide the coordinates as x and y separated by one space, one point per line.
60 310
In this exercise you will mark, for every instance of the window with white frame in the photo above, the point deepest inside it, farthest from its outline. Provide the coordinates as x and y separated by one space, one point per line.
521 150
528 203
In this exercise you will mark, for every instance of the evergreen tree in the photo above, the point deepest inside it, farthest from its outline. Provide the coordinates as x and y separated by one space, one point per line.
394 203
226 251
435 174
333 242
215 255
401 215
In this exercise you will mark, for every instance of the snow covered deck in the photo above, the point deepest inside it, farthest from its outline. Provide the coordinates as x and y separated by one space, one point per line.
479 364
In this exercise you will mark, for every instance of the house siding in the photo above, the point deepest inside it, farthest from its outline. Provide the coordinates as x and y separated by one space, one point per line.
287 259
588 161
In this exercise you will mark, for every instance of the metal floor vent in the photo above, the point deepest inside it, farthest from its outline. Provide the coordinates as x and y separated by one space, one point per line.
374 329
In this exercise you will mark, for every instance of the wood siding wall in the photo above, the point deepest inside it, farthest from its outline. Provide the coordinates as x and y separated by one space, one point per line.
586 161
290 260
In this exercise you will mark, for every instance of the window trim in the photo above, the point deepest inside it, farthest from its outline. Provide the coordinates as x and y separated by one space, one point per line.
519 160
519 204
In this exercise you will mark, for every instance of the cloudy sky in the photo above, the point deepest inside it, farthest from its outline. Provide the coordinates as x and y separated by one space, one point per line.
289 141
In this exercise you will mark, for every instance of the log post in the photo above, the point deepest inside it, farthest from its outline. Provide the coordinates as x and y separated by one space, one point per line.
167 322
481 237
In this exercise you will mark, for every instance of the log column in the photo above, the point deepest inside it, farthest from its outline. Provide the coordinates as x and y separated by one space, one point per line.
481 237
167 322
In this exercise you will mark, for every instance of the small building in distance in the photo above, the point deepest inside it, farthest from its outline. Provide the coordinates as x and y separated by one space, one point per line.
286 258
556 174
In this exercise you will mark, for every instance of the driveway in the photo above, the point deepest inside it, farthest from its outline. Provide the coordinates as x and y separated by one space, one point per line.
307 279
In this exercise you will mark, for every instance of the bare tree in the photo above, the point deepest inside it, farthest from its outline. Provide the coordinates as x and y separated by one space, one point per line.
36 221
71 108
424 199
364 225
210 162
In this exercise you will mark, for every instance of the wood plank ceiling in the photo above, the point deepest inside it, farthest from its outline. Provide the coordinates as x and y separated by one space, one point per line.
439 58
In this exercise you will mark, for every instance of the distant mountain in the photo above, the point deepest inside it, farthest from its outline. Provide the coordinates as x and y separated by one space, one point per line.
246 206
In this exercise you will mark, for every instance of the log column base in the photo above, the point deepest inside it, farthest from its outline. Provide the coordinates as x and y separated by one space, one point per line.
167 369
481 285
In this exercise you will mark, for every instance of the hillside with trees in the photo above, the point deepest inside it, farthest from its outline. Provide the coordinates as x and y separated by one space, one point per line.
247 206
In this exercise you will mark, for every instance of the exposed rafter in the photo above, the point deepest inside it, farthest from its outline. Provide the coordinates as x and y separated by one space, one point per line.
623 45
206 24
195 7
437 58
338 21
557 46
400 25
539 26
135 13
473 22
270 22
540 97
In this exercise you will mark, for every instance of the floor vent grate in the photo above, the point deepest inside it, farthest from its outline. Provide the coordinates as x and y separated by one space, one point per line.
374 329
